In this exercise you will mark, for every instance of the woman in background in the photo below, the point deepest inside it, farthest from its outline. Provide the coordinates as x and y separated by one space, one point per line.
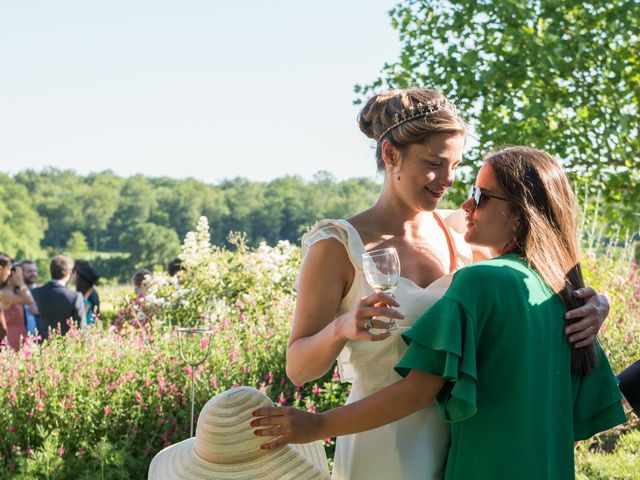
14 294
86 280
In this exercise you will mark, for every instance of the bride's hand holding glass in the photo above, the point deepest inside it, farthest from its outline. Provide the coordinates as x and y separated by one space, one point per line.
382 270
358 322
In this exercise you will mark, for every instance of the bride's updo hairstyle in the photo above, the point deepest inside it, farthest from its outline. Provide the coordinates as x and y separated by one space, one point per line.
408 116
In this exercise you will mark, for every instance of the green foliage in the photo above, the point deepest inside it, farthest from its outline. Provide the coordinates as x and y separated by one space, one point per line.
101 402
560 76
21 229
77 243
140 215
150 245
623 463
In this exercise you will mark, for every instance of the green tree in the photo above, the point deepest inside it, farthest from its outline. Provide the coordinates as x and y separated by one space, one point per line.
561 76
244 200
99 202
180 204
137 201
57 196
77 243
21 228
150 245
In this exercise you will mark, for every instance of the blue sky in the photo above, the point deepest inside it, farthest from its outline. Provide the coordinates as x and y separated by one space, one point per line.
208 89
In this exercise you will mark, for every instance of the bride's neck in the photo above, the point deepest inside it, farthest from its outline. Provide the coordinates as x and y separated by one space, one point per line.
396 220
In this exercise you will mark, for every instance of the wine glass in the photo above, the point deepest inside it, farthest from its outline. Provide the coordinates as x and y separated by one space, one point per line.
382 271
192 343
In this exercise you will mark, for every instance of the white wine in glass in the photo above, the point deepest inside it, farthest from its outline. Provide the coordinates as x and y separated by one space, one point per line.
382 271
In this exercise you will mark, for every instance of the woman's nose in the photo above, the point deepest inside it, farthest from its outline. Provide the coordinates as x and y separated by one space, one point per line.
447 175
468 205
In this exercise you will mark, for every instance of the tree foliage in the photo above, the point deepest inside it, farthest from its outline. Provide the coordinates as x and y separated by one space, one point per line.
561 76
148 217
21 228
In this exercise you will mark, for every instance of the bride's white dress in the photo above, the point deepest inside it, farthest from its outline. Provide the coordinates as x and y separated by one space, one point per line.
415 447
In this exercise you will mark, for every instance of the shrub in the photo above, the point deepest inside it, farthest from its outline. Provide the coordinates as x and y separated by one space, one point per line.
100 403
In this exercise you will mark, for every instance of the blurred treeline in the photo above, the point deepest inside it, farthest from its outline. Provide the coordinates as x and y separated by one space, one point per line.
140 221
121 224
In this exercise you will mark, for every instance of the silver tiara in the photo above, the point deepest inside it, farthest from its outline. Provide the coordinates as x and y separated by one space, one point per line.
421 110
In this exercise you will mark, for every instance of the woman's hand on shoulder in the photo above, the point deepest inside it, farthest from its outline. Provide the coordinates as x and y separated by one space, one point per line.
592 313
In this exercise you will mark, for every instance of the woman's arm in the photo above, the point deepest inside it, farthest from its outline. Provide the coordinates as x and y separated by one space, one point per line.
15 291
8 296
396 401
317 335
3 322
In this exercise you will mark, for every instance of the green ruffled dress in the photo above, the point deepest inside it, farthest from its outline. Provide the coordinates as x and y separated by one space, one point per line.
515 409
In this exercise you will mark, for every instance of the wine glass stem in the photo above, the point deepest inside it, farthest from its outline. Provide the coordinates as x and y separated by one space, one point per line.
193 389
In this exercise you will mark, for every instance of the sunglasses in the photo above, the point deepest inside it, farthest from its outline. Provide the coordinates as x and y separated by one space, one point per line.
478 195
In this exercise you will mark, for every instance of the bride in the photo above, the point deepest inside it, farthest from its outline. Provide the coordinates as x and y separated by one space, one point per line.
420 139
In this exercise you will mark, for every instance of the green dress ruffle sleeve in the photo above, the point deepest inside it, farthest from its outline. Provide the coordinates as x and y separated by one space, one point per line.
514 408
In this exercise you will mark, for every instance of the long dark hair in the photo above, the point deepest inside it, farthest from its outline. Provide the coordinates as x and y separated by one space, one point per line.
542 198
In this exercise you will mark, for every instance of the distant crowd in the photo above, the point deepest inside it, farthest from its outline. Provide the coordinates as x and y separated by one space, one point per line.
27 309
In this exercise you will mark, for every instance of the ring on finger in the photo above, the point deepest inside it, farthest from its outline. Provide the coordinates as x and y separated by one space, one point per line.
368 325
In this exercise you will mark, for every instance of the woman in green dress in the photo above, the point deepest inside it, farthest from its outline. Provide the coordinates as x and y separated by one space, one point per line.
491 352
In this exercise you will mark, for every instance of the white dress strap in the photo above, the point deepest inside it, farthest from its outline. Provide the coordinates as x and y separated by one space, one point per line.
342 231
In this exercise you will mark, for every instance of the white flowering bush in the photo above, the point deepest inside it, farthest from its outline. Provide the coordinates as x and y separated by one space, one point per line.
216 283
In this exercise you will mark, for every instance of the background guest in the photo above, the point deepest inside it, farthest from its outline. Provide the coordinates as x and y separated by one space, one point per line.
13 295
139 282
86 279
56 302
630 385
31 314
174 267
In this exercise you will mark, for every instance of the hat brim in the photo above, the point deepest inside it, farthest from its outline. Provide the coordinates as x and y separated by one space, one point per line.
180 462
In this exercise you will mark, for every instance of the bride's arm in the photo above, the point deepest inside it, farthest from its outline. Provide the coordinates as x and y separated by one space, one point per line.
396 401
317 334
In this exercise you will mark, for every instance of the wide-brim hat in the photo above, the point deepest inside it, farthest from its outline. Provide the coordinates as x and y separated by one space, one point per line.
226 448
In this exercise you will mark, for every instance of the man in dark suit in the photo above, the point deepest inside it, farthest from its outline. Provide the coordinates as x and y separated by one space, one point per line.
56 303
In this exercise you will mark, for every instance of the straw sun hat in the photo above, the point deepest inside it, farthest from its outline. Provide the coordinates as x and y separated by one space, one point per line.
226 448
